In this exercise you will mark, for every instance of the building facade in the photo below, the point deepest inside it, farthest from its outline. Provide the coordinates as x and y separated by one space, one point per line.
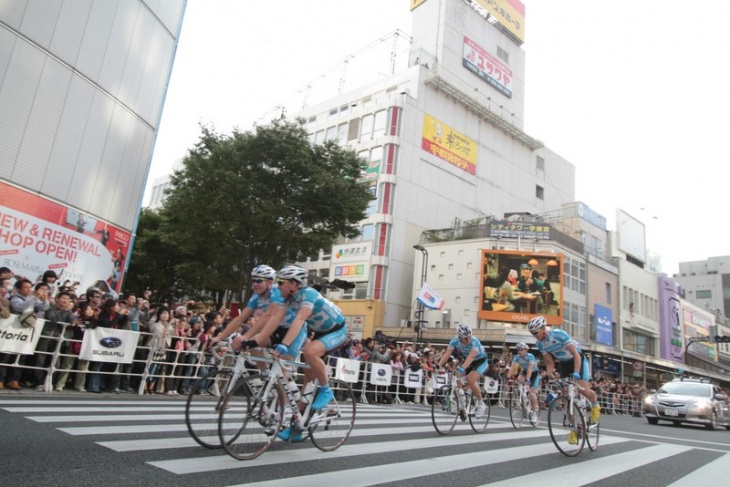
82 86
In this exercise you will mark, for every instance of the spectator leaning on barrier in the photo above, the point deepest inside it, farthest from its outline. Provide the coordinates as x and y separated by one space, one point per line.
56 317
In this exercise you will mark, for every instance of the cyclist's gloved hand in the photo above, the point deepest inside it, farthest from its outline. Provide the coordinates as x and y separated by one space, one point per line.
282 349
461 370
576 376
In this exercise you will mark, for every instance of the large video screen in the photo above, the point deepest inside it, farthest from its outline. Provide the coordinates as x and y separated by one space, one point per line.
519 285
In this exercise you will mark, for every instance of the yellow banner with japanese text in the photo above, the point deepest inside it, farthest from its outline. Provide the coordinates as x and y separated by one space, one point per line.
448 144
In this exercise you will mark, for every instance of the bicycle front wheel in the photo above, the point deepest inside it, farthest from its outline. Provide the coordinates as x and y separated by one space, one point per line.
593 431
479 425
248 421
202 408
567 426
331 426
516 408
445 410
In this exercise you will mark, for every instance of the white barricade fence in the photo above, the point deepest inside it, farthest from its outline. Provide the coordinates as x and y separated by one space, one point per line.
17 338
109 345
347 370
380 374
414 380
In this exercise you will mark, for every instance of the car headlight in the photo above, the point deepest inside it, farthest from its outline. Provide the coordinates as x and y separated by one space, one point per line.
698 406
650 400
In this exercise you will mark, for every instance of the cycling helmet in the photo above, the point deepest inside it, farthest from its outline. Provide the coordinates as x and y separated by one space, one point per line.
536 323
464 330
293 272
263 272
521 346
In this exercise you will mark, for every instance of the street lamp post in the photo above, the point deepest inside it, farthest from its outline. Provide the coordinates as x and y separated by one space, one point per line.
420 323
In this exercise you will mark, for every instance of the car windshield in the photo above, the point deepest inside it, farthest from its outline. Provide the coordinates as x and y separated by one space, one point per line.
685 389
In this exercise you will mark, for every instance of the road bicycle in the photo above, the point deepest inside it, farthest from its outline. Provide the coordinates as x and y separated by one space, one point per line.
455 401
260 405
568 422
519 404
202 410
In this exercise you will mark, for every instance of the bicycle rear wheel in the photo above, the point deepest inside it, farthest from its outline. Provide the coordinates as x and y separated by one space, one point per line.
566 426
248 421
202 409
479 425
331 426
516 409
445 410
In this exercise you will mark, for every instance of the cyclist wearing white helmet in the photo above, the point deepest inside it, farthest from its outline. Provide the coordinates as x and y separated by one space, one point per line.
474 365
526 363
315 313
557 344
267 307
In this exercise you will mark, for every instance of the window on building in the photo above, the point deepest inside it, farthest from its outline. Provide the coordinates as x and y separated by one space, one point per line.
341 133
366 129
331 133
379 123
540 192
354 129
638 343
703 294
368 232
608 293
319 137
373 205
503 55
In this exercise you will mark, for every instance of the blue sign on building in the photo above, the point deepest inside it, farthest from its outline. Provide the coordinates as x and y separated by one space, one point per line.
603 318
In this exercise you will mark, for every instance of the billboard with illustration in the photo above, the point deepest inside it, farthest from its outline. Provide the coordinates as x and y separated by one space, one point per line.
37 234
516 286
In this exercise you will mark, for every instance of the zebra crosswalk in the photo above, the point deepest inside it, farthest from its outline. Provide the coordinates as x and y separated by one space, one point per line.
389 444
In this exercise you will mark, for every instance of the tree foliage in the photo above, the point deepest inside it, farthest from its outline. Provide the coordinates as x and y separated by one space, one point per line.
267 196
153 261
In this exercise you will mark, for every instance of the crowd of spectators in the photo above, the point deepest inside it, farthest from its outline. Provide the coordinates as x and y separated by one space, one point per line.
173 337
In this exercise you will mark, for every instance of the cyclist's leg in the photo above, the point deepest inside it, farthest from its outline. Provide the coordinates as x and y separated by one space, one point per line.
587 392
534 387
313 353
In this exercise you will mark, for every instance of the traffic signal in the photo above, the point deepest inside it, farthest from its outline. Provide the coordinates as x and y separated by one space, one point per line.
721 339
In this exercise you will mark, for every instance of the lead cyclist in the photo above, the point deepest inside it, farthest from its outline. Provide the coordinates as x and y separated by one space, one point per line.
572 360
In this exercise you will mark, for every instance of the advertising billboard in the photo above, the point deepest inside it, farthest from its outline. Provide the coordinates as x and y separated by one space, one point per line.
697 324
351 262
671 325
490 69
446 143
631 235
516 286
37 234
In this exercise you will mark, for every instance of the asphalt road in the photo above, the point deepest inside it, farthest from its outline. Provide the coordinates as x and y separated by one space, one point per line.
125 440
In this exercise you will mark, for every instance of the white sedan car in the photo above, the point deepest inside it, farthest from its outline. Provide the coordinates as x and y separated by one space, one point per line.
688 401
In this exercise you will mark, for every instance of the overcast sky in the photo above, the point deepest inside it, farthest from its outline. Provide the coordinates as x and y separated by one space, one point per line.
633 93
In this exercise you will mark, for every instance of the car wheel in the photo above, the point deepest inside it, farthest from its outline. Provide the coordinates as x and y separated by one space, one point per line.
713 422
652 420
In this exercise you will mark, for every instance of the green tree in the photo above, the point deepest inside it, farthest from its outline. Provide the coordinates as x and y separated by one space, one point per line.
265 196
153 261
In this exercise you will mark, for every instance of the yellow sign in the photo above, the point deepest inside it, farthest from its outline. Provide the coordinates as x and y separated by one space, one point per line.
509 13
416 3
446 143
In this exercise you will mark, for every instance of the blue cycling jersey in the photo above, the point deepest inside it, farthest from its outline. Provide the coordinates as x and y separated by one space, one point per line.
466 348
259 303
325 314
556 343
524 362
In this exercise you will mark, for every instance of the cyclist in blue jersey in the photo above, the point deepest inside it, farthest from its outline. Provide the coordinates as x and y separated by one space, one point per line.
474 364
524 365
557 344
319 316
267 306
